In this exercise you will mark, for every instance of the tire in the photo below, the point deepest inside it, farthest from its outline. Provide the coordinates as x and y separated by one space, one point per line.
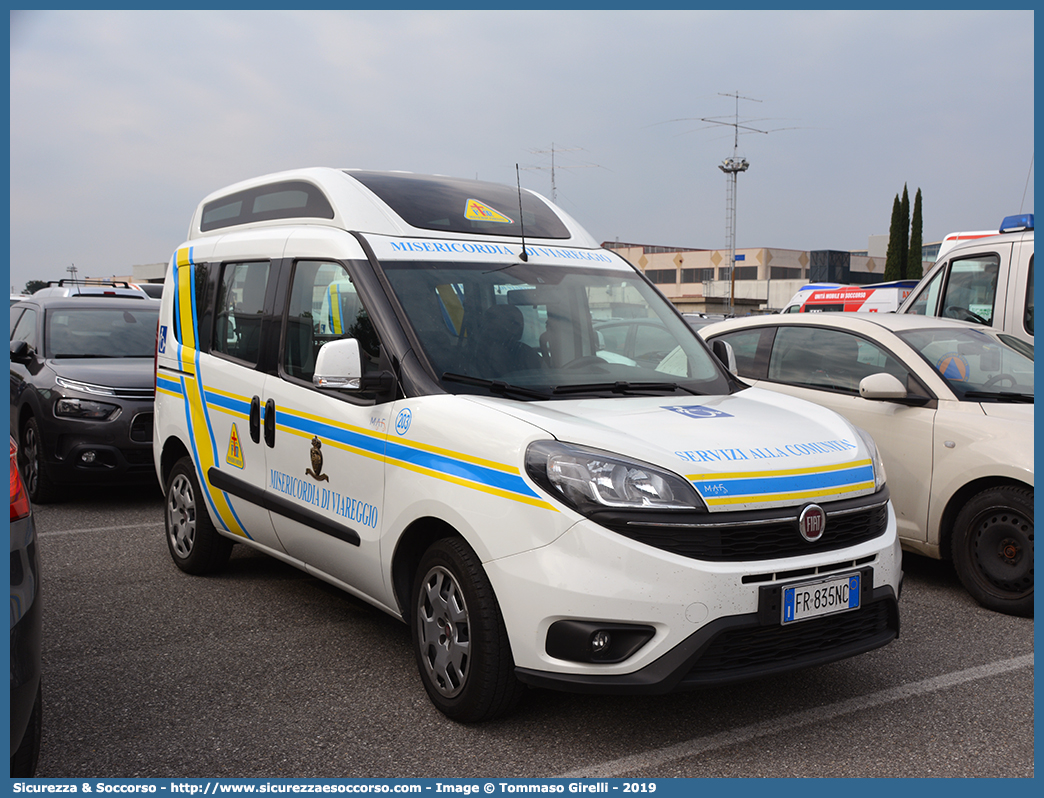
459 638
993 549
38 482
23 760
194 543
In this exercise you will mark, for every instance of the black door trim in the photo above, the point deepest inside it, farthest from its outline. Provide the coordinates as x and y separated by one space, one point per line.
222 480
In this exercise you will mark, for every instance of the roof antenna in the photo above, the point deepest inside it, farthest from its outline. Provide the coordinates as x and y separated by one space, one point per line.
521 224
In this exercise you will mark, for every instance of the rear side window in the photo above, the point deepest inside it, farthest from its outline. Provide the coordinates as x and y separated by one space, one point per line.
240 305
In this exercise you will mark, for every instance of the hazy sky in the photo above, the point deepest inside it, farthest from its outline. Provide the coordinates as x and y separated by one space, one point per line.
121 121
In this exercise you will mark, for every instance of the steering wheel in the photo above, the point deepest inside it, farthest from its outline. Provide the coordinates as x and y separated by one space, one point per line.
998 378
586 360
963 314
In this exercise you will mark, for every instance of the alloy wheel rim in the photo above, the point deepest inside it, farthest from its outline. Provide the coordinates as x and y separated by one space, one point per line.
31 467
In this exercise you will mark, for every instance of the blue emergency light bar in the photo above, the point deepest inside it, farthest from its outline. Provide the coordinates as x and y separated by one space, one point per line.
1012 224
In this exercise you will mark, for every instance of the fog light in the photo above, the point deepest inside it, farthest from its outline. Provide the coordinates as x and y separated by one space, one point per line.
88 457
600 641
596 641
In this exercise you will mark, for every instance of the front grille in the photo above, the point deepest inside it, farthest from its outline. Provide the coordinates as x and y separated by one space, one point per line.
754 535
141 428
735 651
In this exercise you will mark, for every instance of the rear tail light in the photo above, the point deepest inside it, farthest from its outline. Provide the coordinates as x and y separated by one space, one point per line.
19 498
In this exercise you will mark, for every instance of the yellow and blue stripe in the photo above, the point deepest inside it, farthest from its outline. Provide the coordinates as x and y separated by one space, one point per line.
784 485
201 432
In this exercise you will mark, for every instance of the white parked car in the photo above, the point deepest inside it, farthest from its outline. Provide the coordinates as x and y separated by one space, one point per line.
950 406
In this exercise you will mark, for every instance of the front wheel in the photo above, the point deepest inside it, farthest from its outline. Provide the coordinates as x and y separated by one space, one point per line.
459 637
993 549
194 543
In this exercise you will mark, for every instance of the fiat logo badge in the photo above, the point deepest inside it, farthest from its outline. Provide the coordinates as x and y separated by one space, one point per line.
812 523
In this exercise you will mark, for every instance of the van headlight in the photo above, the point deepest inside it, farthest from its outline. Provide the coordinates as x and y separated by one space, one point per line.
588 480
875 457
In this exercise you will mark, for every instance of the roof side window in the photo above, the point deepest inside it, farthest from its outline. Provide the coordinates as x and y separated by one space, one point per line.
291 199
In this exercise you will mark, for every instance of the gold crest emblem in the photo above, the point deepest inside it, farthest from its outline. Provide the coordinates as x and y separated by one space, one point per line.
316 471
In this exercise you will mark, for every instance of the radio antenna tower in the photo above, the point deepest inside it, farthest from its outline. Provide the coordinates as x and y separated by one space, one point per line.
732 167
552 151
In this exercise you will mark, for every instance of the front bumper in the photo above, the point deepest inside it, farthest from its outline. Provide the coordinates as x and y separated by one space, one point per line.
709 622
744 647
78 451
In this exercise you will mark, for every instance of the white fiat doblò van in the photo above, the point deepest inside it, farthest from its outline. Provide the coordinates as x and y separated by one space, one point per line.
395 382
984 279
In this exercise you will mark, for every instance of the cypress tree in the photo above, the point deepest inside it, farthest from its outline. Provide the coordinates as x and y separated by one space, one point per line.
913 259
892 257
904 241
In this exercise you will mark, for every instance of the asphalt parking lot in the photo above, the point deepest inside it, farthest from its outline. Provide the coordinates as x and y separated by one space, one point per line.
263 671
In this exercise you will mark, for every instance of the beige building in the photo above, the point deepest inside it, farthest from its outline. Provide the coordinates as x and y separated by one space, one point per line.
698 280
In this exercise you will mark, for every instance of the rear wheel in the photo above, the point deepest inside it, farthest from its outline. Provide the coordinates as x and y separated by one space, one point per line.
459 637
38 483
194 543
993 549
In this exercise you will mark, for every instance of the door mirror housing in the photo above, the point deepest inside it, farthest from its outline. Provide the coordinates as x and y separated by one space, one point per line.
724 352
21 352
882 386
339 365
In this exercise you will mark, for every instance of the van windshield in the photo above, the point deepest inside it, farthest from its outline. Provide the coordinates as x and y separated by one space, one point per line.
551 331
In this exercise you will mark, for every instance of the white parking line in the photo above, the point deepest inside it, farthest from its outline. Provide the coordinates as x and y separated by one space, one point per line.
661 756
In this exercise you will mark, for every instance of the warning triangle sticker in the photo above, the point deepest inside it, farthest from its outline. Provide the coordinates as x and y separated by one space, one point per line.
235 451
480 212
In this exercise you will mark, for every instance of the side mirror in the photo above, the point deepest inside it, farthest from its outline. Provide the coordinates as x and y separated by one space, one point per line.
882 386
338 365
724 352
21 352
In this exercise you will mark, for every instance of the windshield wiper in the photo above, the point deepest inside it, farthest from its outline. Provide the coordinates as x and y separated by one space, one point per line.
1000 396
495 386
622 387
